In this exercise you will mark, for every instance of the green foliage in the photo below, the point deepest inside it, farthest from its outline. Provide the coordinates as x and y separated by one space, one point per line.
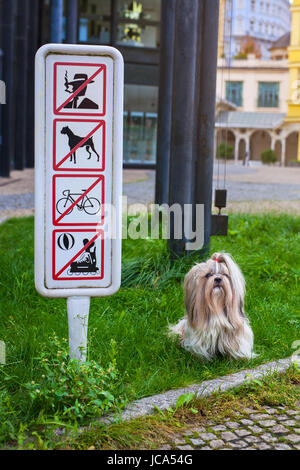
241 56
65 385
184 399
225 151
129 328
268 156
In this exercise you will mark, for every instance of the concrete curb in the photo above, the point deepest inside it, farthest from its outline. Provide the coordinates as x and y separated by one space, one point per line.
147 405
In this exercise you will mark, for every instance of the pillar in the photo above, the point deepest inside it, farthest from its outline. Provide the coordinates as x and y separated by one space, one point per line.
7 30
56 21
185 81
164 101
21 91
236 149
72 18
283 147
205 87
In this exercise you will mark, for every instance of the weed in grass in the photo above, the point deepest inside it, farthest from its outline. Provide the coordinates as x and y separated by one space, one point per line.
61 388
65 386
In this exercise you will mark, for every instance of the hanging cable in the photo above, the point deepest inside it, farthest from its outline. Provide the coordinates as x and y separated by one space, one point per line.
221 194
229 69
218 140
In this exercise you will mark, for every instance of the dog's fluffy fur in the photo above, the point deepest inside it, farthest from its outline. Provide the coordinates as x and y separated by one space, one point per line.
215 321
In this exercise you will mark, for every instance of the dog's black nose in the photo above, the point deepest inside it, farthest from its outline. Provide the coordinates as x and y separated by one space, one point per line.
218 280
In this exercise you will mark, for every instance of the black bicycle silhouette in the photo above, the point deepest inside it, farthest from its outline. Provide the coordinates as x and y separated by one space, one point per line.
90 205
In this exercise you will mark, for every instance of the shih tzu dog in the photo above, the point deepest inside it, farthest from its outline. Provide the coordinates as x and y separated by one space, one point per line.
215 321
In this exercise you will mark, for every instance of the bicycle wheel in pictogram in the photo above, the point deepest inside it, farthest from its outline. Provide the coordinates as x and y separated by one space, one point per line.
63 204
91 206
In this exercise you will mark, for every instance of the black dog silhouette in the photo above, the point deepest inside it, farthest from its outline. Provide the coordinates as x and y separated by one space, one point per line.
75 139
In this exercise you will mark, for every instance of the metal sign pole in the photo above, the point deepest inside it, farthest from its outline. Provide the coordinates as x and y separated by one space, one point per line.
78 317
78 178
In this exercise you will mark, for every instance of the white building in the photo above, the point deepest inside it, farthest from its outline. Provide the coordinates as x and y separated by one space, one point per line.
263 20
251 115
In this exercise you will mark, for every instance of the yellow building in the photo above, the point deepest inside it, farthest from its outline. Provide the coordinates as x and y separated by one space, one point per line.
294 66
221 28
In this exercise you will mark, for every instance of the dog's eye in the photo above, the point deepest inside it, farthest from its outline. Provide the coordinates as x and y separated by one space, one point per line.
208 275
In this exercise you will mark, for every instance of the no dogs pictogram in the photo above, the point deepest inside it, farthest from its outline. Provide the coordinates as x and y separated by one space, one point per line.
84 259
79 89
78 145
78 200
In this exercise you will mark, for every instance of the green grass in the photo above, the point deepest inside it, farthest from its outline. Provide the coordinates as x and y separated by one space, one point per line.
131 325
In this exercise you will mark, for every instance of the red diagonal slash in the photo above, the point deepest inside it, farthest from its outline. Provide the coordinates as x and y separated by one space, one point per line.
78 254
79 144
80 88
77 200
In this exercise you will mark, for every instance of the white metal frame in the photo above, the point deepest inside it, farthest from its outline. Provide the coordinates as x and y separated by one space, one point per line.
40 179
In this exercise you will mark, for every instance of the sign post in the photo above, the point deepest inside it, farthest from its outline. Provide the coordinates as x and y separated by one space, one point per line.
78 178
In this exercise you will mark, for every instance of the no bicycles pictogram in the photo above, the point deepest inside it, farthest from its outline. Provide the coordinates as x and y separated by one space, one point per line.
78 200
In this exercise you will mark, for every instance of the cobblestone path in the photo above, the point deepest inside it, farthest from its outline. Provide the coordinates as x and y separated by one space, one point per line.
269 428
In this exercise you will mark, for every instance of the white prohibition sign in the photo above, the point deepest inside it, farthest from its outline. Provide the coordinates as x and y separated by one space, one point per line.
78 169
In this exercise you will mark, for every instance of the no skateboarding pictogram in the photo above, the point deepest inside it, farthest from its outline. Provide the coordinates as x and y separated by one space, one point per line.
82 259
79 89
78 145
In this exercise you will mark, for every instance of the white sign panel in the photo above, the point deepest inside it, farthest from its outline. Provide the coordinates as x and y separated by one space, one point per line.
79 119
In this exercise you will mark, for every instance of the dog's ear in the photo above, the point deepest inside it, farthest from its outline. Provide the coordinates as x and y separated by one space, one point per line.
235 273
191 294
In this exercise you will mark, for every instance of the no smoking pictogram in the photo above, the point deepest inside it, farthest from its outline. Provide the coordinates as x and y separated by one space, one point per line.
79 89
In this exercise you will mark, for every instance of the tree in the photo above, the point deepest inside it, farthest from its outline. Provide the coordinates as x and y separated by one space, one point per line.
249 46
225 151
268 156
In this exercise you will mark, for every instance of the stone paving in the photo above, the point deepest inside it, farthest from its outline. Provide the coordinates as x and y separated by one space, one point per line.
273 185
269 428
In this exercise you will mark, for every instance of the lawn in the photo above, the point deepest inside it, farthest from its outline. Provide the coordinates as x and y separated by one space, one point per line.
130 327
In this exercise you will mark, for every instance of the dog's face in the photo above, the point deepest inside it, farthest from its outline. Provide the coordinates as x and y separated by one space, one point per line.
64 130
216 278
214 288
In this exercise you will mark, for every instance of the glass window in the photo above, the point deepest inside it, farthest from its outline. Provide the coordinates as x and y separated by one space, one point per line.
138 23
140 123
94 21
234 92
268 94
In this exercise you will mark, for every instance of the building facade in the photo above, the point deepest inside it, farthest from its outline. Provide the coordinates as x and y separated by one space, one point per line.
259 90
134 28
265 92
293 115
262 20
